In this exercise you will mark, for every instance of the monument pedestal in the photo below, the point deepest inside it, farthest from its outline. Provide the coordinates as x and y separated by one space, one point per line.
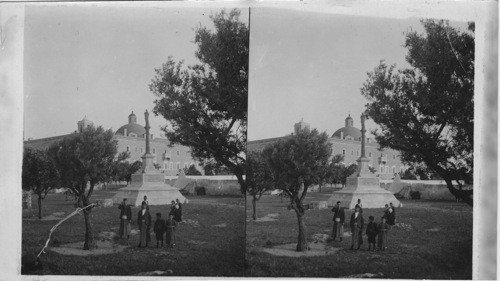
363 185
366 189
151 185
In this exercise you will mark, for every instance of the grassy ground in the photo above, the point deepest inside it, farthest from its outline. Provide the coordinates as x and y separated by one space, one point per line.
444 252
201 250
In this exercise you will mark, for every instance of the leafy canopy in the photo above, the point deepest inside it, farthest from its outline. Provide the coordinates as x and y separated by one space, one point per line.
39 173
84 157
206 103
297 162
427 111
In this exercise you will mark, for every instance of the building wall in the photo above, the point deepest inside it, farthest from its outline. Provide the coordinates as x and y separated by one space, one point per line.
386 162
171 159
180 156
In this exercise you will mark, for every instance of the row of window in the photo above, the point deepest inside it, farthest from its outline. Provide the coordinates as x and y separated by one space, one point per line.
140 149
168 165
369 154
386 169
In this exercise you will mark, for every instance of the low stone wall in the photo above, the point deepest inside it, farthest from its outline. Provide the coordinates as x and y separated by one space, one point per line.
208 186
429 190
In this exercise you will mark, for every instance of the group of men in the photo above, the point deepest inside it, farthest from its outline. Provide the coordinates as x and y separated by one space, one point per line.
373 230
161 227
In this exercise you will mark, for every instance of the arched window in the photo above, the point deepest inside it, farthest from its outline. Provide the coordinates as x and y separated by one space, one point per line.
343 151
127 148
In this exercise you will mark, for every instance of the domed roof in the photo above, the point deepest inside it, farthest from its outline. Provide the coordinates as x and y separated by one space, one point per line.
131 127
355 133
348 130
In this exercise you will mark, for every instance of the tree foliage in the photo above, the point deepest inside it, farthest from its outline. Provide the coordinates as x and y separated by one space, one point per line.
84 160
427 111
39 174
192 171
124 169
206 103
259 178
297 163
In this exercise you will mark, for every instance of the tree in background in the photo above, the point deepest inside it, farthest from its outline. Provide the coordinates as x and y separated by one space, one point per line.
336 167
212 168
259 178
132 169
39 174
346 172
192 171
82 159
427 111
297 163
206 103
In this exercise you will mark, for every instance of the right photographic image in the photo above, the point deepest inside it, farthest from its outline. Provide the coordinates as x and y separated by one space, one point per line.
360 152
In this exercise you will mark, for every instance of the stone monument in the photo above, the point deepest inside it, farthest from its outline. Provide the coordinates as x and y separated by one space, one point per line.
363 184
148 181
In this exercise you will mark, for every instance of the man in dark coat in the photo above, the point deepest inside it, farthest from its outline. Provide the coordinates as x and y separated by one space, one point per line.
159 229
170 226
144 222
393 213
359 205
357 223
338 221
125 218
179 212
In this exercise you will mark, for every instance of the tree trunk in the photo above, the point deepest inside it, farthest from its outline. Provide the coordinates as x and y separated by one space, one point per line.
302 242
90 243
465 195
254 205
241 181
39 206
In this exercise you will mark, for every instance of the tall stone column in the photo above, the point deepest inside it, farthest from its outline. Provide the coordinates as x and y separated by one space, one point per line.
147 158
363 131
146 116
363 170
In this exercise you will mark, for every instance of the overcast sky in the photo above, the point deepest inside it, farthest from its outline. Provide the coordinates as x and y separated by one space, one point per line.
98 62
312 65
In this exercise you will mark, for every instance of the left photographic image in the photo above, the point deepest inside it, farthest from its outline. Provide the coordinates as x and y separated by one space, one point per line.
135 127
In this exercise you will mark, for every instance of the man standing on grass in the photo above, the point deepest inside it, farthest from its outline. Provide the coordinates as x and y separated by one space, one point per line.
357 224
144 222
393 213
125 218
179 212
170 226
338 221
